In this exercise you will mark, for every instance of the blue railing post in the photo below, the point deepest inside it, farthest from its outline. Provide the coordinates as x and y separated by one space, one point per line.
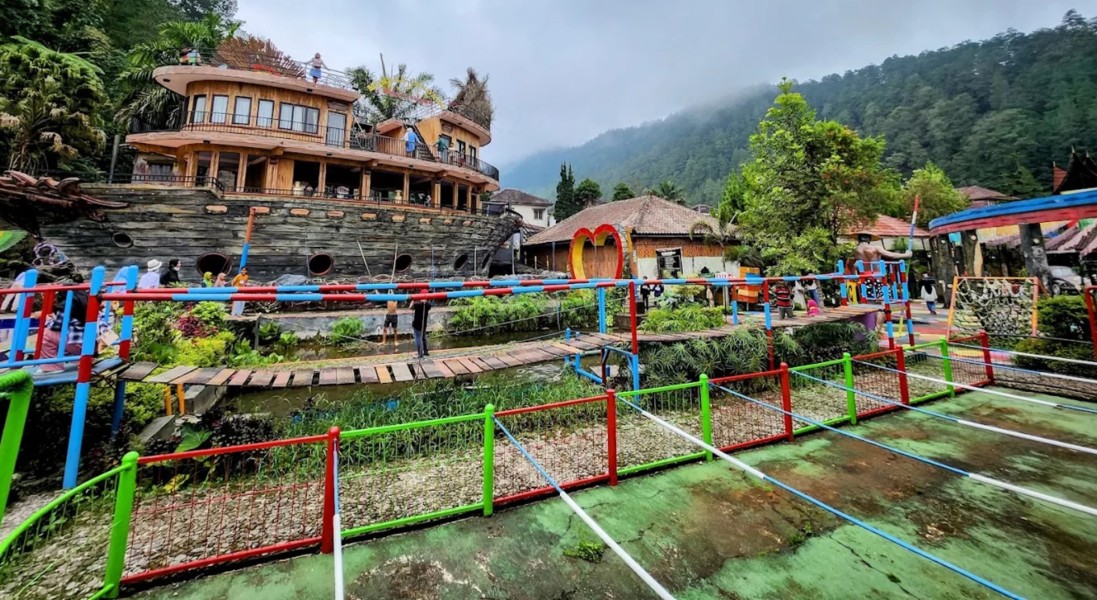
601 310
83 379
21 328
634 364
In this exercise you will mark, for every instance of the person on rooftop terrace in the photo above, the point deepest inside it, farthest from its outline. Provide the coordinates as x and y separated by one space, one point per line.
316 66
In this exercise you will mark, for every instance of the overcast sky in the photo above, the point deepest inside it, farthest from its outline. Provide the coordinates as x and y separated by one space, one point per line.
563 71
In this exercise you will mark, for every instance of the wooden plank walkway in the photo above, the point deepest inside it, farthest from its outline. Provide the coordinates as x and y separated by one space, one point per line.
477 360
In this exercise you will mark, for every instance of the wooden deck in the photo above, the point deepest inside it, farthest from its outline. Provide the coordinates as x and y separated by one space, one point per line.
476 361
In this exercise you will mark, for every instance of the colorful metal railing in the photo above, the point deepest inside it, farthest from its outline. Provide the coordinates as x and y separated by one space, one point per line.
182 512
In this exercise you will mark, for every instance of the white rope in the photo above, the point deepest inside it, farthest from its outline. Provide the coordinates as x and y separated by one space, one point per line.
1074 361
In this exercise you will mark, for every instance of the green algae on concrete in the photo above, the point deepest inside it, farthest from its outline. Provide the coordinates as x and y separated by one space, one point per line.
707 531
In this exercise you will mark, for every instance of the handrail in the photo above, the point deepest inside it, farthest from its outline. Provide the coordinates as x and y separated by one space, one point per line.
273 63
20 529
347 138
17 386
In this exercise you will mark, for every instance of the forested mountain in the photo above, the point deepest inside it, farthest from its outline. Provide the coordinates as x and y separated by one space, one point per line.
980 110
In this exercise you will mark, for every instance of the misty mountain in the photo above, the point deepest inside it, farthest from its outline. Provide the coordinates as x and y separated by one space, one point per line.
982 111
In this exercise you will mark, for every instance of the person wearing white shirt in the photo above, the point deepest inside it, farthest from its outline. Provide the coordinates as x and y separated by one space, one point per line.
151 278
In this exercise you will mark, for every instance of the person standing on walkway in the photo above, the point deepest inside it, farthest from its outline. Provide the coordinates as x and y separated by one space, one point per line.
239 282
410 142
151 278
390 322
316 67
782 297
420 313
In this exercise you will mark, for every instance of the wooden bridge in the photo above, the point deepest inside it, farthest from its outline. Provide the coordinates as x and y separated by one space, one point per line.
472 362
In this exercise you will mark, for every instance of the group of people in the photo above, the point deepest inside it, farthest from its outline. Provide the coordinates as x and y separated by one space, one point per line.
153 278
420 316
805 296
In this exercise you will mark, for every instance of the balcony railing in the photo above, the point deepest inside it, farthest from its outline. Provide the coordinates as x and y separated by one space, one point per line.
331 192
336 137
274 63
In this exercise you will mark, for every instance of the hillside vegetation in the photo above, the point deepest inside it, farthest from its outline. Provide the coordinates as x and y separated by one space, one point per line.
993 113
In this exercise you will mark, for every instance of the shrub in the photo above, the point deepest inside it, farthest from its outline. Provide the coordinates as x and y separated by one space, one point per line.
1057 349
1063 317
269 331
686 318
210 314
347 330
491 314
827 341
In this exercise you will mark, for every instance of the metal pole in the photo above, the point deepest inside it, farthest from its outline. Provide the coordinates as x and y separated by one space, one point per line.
114 157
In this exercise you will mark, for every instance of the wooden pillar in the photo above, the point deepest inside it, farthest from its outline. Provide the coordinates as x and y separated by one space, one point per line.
970 244
407 187
436 193
323 180
242 172
468 199
363 187
455 195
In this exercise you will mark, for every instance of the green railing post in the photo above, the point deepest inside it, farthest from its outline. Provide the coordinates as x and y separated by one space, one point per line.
489 459
120 527
946 366
706 415
851 396
18 387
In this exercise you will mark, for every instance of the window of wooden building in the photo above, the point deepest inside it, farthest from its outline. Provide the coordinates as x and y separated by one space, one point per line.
265 116
219 110
241 112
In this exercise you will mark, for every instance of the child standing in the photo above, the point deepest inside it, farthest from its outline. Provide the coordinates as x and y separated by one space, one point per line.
783 299
813 308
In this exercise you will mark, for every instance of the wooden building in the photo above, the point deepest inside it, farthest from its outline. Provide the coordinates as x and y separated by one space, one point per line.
658 241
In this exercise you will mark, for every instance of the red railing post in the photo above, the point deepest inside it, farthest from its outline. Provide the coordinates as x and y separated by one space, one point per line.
327 528
901 366
1091 308
890 326
611 435
786 400
47 309
632 316
984 341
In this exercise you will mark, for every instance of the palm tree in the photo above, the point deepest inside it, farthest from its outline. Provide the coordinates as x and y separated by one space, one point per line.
473 100
154 105
396 95
667 190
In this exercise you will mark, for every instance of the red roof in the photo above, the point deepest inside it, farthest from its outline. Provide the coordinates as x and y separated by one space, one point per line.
885 226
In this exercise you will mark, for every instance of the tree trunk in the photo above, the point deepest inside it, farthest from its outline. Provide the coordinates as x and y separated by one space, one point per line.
1032 247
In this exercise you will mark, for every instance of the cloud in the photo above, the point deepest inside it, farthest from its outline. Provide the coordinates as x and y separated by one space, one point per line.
563 71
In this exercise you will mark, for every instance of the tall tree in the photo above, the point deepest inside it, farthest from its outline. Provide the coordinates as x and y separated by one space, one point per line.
938 197
667 190
808 181
566 203
53 121
473 100
622 191
150 103
1021 184
587 193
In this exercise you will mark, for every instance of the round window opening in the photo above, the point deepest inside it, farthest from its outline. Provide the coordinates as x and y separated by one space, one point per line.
212 263
122 240
460 262
403 262
321 264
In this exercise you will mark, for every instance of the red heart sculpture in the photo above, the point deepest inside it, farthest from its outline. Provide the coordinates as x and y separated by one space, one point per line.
597 238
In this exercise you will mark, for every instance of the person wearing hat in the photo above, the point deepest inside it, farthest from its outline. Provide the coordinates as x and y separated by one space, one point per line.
151 278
